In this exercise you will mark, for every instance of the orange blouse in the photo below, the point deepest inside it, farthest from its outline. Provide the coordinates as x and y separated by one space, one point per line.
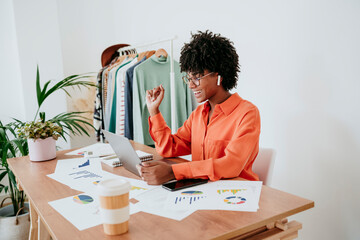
226 147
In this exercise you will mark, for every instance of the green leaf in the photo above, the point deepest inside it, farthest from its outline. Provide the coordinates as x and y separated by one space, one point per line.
12 178
42 116
43 91
5 149
38 89
69 81
11 149
21 145
2 134
2 175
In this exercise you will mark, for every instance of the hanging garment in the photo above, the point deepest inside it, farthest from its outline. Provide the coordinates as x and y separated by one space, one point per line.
99 102
129 127
108 58
115 63
149 74
111 94
119 119
98 110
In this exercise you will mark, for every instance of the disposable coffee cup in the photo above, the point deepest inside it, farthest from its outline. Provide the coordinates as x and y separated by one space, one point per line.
114 205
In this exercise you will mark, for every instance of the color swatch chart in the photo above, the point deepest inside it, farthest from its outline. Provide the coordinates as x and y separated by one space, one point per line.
233 191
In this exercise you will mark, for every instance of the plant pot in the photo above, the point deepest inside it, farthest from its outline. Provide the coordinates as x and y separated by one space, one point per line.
42 149
16 227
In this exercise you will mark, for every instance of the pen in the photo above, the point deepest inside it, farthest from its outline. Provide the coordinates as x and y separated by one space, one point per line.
110 157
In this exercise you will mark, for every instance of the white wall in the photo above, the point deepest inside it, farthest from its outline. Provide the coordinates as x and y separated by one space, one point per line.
31 37
11 96
39 44
300 66
82 24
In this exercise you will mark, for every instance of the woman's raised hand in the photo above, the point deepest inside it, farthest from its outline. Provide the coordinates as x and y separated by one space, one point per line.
154 98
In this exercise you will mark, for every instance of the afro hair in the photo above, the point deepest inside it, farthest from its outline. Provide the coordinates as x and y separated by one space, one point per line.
212 52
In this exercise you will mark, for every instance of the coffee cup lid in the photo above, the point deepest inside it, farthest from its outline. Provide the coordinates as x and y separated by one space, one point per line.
113 187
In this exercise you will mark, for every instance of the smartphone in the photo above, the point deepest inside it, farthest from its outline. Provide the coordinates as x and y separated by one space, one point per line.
184 183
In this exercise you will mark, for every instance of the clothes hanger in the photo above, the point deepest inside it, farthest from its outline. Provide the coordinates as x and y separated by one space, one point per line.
146 54
141 55
149 53
161 52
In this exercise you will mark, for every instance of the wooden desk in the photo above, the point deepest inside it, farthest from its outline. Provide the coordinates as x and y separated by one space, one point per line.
274 205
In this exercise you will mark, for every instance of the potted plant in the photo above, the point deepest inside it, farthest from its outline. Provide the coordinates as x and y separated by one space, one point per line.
41 138
17 139
42 134
14 218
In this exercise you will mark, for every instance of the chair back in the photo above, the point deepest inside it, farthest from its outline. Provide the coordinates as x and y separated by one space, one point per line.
263 165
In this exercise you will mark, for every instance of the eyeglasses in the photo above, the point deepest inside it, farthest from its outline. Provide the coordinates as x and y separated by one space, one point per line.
195 81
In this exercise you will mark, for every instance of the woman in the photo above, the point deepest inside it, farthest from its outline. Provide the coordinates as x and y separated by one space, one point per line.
222 134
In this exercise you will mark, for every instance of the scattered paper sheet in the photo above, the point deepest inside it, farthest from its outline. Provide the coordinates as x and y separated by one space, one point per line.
67 165
153 202
80 173
138 187
82 210
220 195
98 149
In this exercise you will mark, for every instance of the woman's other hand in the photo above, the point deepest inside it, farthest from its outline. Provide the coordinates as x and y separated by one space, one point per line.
154 98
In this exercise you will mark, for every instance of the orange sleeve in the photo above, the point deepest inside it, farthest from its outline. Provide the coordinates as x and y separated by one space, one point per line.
167 144
240 153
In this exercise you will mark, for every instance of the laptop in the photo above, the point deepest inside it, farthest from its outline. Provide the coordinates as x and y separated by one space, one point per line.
124 151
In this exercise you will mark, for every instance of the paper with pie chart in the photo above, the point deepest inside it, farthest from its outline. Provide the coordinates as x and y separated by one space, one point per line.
82 210
220 195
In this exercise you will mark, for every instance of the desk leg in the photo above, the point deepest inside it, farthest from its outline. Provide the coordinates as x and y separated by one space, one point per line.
43 234
279 230
33 223
37 228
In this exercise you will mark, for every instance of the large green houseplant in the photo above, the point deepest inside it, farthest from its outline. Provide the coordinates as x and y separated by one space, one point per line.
14 136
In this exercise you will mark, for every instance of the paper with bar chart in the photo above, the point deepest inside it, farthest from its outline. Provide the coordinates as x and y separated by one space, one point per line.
80 173
97 149
84 174
154 202
236 195
73 164
138 187
220 195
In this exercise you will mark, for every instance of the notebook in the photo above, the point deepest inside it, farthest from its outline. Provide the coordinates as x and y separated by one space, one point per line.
113 160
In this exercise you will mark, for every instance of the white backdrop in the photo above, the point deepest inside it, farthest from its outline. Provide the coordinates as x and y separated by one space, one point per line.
300 65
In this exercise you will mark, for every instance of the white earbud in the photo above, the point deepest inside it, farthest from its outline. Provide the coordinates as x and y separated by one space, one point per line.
218 81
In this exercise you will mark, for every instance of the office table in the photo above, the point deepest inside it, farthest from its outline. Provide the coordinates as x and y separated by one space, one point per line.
269 222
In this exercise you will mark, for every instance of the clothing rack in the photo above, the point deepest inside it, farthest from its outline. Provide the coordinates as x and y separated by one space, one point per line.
172 74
